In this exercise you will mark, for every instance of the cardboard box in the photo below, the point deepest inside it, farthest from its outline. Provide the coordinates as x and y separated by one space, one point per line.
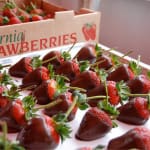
65 28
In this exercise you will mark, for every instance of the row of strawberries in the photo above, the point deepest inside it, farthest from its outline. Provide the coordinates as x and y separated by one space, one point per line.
112 89
12 14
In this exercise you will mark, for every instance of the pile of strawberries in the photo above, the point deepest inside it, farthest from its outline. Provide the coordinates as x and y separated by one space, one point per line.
13 14
59 85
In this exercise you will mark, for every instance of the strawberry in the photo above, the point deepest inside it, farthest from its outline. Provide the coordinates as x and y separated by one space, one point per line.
45 92
69 68
4 20
55 62
83 77
21 68
39 133
95 124
14 20
103 62
135 112
36 17
136 138
122 72
139 85
113 94
7 116
87 52
63 106
18 112
35 77
9 10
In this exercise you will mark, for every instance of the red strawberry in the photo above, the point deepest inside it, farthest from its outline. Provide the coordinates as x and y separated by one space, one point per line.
136 138
87 80
134 112
69 68
36 17
6 114
87 52
63 106
14 20
139 85
18 112
36 77
21 68
4 20
114 97
39 133
95 124
55 62
123 72
45 92
85 33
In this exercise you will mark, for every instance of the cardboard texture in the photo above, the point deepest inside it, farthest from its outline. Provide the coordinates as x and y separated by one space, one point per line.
65 28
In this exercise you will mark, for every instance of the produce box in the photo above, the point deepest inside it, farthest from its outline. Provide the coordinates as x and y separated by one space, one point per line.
65 27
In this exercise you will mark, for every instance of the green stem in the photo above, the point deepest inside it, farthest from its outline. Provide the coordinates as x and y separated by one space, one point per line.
48 60
96 97
49 105
76 88
138 95
26 88
70 108
106 89
4 130
97 63
127 54
71 47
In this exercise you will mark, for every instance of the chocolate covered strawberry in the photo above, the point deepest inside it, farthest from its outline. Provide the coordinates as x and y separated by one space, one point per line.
87 52
86 80
36 77
21 68
39 133
103 62
56 57
62 107
135 112
139 85
136 138
122 72
69 68
13 114
45 92
95 124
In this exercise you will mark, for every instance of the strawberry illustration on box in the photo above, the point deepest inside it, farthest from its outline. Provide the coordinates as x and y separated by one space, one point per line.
89 31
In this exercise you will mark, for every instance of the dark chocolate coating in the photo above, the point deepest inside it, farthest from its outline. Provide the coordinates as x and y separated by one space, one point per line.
36 136
20 68
121 73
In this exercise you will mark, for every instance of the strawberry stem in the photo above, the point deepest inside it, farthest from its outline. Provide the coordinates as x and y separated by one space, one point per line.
95 97
76 88
4 130
138 95
70 108
48 60
26 88
127 54
49 105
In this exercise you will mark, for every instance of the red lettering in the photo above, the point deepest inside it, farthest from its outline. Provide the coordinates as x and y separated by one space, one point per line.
73 37
24 46
65 39
2 51
13 48
53 42
43 43
59 40
34 46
